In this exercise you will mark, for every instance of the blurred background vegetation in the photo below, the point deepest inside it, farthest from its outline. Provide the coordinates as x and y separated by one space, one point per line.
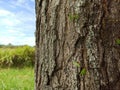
17 56
17 67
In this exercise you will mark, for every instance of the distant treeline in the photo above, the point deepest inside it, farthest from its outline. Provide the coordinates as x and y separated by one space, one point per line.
12 46
16 56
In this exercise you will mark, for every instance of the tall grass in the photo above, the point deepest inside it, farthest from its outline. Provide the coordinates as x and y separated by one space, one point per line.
17 56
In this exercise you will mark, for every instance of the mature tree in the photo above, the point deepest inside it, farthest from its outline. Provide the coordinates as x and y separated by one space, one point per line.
77 45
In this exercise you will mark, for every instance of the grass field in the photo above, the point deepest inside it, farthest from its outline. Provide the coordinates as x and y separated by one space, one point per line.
17 79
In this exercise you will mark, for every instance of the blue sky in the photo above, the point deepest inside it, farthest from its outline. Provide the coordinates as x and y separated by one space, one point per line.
17 22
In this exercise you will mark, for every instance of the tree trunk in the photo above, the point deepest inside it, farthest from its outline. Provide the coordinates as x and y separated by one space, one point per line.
77 45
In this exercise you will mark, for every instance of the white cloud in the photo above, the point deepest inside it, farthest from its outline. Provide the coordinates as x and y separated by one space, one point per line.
8 18
9 22
6 40
30 40
5 13
13 31
25 4
17 41
16 19
17 22
16 33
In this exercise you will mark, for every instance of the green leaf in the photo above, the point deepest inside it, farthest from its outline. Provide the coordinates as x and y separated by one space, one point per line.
76 16
83 71
73 16
76 64
118 41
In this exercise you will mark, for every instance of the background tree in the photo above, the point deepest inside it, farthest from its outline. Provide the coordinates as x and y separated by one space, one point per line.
77 45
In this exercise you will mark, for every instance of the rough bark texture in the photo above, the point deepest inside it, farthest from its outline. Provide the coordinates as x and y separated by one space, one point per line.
83 31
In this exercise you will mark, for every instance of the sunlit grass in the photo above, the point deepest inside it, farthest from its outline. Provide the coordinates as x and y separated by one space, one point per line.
17 56
17 79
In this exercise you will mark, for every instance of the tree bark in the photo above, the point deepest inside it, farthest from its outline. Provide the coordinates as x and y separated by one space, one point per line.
81 31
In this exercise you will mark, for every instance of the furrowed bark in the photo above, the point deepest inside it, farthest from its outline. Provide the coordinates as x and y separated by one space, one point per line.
83 31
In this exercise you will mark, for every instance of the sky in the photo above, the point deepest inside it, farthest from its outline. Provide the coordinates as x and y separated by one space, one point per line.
17 22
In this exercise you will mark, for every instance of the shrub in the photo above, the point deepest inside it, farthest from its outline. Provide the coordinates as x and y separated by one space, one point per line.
17 56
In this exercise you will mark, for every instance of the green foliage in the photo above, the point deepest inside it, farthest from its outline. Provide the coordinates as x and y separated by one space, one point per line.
83 72
76 64
118 41
17 56
17 79
73 17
